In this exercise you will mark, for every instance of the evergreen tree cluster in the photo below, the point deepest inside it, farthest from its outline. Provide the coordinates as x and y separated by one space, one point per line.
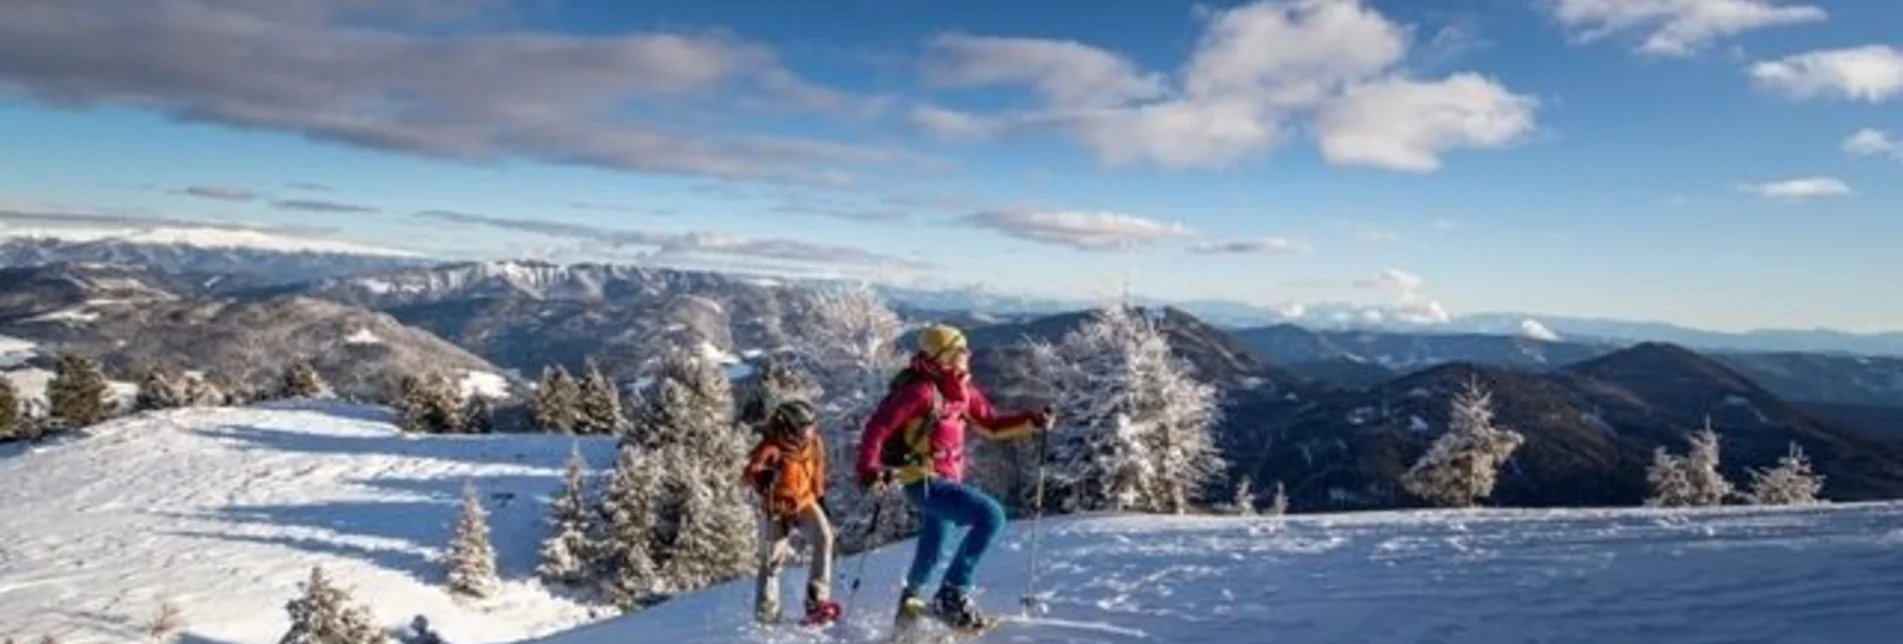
1693 480
588 405
162 388
1135 426
326 614
672 517
434 404
77 396
301 380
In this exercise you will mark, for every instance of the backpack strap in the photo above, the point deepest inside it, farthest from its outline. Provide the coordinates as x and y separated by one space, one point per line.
909 450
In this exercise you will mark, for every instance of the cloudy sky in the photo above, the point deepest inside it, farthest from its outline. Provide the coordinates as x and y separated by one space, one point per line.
1720 163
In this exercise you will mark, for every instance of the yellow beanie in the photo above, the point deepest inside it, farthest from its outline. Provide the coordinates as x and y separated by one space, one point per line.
936 339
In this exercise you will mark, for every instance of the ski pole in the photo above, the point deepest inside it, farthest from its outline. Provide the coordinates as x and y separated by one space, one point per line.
1029 601
859 570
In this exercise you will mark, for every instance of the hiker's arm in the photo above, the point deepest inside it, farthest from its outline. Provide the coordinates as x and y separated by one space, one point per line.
893 411
993 426
758 461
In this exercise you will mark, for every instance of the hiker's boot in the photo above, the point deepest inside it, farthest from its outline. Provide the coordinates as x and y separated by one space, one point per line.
820 612
911 607
956 609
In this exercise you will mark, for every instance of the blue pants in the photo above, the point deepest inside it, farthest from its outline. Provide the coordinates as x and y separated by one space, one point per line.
942 504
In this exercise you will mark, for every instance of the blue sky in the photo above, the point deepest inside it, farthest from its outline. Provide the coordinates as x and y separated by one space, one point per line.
1726 164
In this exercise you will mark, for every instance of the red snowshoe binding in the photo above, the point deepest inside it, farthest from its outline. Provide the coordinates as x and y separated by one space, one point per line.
821 613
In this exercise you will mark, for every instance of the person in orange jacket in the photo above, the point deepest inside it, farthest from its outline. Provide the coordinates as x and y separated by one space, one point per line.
788 469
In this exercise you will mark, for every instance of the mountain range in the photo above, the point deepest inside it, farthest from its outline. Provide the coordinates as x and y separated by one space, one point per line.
1334 413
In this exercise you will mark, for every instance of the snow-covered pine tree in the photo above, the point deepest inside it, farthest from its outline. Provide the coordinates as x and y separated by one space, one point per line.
411 405
326 614
1708 486
852 341
630 513
200 391
1791 482
598 403
478 415
1244 503
301 380
1278 505
1666 481
471 561
1461 466
12 421
705 529
779 380
1135 428
76 395
566 552
556 399
159 390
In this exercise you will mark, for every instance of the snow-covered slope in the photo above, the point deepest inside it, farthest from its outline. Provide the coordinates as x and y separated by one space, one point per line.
1639 576
224 511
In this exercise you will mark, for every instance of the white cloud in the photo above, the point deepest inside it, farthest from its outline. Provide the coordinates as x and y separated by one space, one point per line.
1871 142
1274 246
1677 27
1255 71
1400 281
1404 124
1870 73
1065 72
1080 230
1531 328
1799 189
953 125
1411 304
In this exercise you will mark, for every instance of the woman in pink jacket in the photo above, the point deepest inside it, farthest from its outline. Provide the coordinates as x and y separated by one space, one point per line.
916 440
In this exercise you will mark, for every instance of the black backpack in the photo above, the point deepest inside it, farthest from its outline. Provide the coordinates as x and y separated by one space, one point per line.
911 447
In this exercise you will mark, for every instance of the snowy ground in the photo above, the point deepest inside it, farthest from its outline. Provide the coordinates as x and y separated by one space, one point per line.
1599 577
225 510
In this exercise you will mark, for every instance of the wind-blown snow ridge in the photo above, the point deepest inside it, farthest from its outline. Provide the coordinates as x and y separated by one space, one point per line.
1640 576
225 510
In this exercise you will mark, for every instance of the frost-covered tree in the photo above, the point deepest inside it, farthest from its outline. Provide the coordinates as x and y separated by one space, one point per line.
598 403
326 614
1666 481
630 514
557 401
1278 505
301 380
851 341
706 530
200 391
1460 467
1245 498
717 534
159 389
1709 487
1135 431
429 404
471 562
1689 480
478 415
13 423
779 380
1791 482
77 394
567 552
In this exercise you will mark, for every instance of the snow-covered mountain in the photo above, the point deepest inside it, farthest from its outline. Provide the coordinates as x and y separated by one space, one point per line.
228 258
224 511
1622 576
133 319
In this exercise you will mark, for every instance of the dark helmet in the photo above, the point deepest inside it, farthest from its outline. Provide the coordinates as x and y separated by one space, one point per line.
792 416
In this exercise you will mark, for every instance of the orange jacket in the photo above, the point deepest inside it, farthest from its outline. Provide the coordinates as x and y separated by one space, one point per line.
802 468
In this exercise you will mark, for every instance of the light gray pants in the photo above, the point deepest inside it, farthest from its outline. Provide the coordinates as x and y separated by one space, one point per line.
774 551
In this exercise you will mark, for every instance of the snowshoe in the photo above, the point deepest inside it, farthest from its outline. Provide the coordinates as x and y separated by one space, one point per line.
956 610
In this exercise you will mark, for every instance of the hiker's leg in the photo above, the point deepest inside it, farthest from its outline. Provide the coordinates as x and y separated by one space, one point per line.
967 505
819 534
766 591
932 527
